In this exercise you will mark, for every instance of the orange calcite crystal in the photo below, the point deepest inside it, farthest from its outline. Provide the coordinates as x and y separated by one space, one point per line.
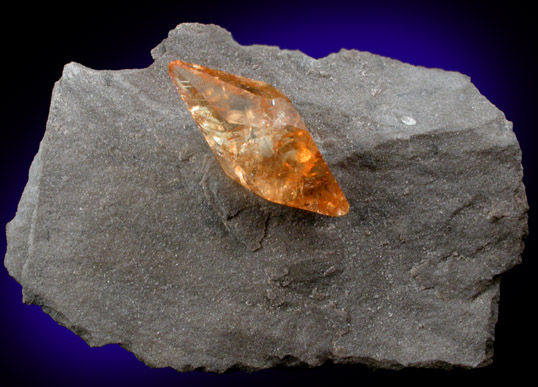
259 138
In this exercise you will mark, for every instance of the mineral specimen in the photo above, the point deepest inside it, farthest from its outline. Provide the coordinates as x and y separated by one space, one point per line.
129 231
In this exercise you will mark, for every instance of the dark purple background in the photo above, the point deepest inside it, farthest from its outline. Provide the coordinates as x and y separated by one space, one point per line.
491 43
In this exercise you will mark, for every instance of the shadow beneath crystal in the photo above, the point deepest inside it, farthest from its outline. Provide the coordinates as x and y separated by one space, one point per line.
244 214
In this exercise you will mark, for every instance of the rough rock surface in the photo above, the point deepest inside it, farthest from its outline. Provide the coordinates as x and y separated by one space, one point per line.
128 232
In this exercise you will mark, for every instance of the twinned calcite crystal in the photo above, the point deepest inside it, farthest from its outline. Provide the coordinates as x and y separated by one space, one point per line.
259 138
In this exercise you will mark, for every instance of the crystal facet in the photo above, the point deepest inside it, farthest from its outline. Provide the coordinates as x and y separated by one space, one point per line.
259 138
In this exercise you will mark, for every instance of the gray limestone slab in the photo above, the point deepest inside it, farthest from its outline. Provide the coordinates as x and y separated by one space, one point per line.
129 232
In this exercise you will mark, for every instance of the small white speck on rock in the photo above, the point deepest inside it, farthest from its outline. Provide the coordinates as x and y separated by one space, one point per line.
408 120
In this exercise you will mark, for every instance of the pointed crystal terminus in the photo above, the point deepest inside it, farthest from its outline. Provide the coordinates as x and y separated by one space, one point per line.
259 138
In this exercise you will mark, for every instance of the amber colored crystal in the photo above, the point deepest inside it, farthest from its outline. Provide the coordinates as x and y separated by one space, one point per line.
259 138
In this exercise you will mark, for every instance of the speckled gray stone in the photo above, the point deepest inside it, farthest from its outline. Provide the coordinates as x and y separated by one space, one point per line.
128 231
